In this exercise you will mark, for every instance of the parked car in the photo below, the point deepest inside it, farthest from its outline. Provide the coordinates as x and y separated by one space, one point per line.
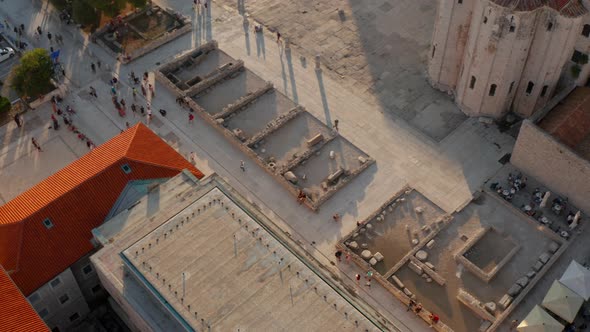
6 53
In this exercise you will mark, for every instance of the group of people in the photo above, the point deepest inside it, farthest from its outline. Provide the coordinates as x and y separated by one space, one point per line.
67 120
515 184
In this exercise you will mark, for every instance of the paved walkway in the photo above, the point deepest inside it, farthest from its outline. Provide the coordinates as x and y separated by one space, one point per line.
446 172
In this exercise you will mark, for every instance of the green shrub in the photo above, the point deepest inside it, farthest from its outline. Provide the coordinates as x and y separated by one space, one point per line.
4 104
85 14
31 77
59 4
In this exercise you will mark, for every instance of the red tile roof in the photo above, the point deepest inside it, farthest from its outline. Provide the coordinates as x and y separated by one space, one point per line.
76 200
16 313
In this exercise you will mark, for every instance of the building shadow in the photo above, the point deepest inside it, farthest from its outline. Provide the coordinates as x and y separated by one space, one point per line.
319 76
246 26
260 48
291 76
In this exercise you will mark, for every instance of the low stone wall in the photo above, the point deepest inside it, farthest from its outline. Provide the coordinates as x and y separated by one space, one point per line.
275 124
163 39
177 62
221 74
61 90
243 101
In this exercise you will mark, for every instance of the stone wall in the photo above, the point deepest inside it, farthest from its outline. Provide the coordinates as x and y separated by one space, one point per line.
541 156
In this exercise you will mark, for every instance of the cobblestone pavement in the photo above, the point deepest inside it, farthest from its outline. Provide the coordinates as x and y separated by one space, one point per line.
376 47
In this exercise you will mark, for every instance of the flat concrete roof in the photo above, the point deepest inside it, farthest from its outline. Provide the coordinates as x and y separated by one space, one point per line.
237 273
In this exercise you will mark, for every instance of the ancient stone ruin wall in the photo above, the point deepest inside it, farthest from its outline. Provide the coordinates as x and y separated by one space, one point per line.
541 156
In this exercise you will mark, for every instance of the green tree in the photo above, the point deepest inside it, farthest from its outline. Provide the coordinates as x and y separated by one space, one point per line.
60 4
138 3
109 7
31 77
4 104
85 14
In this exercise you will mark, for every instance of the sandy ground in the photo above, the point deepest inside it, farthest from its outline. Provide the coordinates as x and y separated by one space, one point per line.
228 91
258 114
486 211
211 61
291 138
319 166
390 237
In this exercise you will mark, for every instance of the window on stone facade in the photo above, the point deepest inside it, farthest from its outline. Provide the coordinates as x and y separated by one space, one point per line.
512 28
586 30
48 224
485 19
529 87
74 317
511 87
96 289
34 298
549 26
55 282
493 89
87 269
43 312
472 83
433 50
460 1
579 57
64 298
544 90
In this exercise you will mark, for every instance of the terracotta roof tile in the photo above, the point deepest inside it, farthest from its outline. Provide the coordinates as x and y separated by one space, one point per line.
16 313
77 199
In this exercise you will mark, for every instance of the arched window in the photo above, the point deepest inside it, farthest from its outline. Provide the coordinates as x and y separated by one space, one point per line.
544 90
529 87
511 87
493 89
472 83
550 26
586 30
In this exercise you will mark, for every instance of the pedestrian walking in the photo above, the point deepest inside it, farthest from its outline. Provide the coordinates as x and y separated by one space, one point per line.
17 120
22 27
98 63
433 319
143 91
133 109
36 144
338 255
191 117
193 157
113 90
149 113
142 110
151 87
49 37
278 37
336 217
411 304
39 31
368 283
242 166
358 279
127 124
6 24
93 67
348 257
123 103
93 92
418 308
369 275
336 124
134 92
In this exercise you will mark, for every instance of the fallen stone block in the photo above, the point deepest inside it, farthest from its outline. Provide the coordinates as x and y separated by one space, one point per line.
514 290
544 257
397 282
332 155
553 247
419 210
430 244
414 267
373 261
369 227
505 301
333 178
378 256
366 254
531 274
353 245
362 159
315 140
428 280
522 282
291 177
430 265
490 307
421 255
364 246
485 325
239 134
408 293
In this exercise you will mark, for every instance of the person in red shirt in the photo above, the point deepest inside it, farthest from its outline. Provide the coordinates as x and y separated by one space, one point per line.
433 318
191 117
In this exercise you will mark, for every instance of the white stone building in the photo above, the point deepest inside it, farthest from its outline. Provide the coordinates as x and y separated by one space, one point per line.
497 56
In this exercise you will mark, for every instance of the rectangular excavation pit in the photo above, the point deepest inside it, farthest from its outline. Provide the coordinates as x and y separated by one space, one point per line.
203 65
255 117
232 88
486 253
319 166
291 139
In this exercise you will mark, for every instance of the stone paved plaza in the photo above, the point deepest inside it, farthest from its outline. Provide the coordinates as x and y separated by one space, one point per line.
385 108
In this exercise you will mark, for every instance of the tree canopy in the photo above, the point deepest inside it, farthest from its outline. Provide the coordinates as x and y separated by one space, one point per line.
31 77
4 104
